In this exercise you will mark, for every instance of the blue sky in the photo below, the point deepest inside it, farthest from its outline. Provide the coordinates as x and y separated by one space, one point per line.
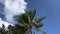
1 10
50 9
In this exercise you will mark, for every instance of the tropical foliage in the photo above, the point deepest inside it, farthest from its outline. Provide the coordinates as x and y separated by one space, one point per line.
27 24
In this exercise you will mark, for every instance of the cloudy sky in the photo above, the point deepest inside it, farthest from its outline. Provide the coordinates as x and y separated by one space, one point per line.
9 9
48 8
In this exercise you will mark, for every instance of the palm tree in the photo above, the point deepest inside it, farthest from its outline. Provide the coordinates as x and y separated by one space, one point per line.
27 22
3 30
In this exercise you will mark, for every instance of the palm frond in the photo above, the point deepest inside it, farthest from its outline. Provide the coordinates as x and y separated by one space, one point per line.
30 14
22 18
38 20
33 13
38 26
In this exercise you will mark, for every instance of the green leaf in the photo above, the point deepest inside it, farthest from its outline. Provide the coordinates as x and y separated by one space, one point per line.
22 18
30 14
38 26
33 13
38 20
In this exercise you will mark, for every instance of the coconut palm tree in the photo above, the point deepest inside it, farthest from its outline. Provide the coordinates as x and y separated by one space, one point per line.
3 30
27 22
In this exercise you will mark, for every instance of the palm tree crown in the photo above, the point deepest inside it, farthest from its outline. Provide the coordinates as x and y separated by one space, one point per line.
28 21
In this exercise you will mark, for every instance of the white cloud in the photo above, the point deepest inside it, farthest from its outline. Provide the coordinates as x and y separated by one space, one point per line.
5 23
14 7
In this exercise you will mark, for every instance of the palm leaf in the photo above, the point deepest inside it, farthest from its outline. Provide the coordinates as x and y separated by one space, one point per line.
22 18
38 20
33 13
30 14
38 26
